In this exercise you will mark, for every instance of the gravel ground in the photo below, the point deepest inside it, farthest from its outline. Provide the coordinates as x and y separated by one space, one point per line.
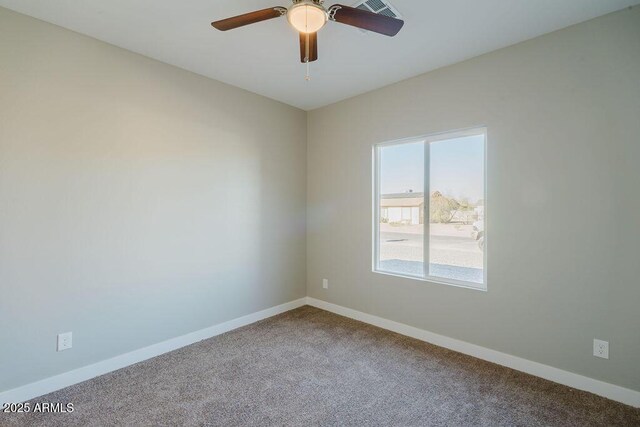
415 268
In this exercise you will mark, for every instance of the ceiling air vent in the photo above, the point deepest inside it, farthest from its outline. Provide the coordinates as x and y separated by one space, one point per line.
382 7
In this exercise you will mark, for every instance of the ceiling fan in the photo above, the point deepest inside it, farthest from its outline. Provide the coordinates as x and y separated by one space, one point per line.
309 16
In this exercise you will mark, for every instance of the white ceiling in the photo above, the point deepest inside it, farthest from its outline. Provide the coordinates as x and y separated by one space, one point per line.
264 57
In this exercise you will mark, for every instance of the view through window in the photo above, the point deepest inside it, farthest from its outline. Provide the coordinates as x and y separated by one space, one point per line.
437 234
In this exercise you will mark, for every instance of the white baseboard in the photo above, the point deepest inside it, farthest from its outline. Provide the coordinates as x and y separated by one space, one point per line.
76 376
610 391
48 385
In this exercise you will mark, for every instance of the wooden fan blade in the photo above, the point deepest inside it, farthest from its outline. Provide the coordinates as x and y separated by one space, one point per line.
366 20
249 18
308 47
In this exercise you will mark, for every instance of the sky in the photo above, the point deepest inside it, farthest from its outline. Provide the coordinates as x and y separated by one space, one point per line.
457 168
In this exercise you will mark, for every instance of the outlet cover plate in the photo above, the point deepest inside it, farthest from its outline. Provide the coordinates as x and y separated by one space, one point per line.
65 341
601 349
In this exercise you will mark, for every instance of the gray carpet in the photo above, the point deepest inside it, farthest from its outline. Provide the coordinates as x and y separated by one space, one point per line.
311 367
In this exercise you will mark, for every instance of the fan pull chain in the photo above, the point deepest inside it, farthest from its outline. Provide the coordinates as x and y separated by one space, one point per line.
307 77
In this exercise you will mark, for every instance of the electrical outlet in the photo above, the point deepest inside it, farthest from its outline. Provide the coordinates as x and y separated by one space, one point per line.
325 283
601 349
65 341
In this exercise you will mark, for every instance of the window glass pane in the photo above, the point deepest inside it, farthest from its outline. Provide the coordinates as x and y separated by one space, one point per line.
456 210
401 231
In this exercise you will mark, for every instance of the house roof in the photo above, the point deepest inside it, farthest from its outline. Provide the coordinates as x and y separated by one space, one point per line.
404 200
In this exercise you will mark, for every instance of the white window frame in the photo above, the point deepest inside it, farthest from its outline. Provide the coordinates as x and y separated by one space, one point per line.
427 140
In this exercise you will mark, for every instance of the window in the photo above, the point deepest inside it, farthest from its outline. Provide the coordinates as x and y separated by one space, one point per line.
429 212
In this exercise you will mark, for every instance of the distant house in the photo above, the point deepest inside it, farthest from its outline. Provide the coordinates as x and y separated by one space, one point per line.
408 208
402 208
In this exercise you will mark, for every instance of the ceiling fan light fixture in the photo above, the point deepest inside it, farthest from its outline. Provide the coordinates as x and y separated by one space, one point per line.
307 17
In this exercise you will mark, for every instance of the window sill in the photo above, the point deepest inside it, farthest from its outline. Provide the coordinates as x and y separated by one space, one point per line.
436 280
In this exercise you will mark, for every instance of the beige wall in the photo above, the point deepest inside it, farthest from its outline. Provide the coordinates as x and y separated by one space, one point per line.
563 119
138 202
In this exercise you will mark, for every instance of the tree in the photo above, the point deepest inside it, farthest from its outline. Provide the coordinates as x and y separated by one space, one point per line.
442 209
